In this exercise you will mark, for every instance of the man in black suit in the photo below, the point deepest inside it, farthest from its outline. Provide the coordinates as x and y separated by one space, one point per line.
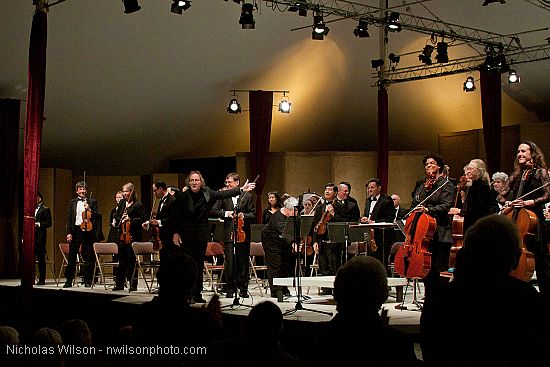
400 213
42 221
193 229
236 263
379 208
165 219
81 235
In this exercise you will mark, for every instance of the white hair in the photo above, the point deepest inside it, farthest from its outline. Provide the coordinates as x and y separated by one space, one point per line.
290 203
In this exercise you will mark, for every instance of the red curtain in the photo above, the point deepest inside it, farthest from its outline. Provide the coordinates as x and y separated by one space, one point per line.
261 107
491 113
383 140
33 138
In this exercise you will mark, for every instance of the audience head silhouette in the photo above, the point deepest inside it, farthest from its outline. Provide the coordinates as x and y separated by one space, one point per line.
8 336
361 285
491 247
76 332
264 322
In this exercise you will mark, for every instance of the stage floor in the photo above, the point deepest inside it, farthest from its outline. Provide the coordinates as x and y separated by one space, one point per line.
316 308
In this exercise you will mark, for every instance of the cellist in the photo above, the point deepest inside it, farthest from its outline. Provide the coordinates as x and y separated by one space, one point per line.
530 160
437 206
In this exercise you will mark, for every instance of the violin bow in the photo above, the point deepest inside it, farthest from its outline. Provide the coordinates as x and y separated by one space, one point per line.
427 197
524 195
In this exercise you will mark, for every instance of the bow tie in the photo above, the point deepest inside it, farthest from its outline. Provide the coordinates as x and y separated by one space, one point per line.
80 199
373 199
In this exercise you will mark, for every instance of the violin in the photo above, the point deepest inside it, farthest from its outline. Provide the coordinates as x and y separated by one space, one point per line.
154 230
86 224
526 221
306 246
125 232
321 226
241 235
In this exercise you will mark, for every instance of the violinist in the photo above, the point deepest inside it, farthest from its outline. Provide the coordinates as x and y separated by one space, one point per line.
81 236
379 208
498 184
236 266
193 229
437 206
530 164
331 210
113 230
129 217
164 218
42 221
477 200
274 203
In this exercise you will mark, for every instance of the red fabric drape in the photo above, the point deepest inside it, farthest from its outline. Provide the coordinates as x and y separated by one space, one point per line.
383 140
491 113
9 148
33 138
261 107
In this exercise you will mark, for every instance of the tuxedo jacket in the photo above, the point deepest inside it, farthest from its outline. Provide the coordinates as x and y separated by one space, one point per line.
246 206
71 217
192 225
44 217
137 214
383 210
401 212
167 216
343 212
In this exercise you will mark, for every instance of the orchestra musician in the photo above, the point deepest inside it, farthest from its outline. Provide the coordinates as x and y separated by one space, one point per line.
193 229
478 201
278 250
164 219
498 184
79 237
530 158
130 210
437 206
274 203
236 265
113 230
379 208
42 221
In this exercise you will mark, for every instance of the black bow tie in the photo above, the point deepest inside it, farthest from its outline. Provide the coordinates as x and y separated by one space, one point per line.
373 199
80 199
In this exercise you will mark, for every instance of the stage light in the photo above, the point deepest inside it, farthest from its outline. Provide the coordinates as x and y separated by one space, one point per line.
178 6
394 58
285 106
247 18
394 24
377 63
469 84
513 77
131 6
320 29
487 2
361 30
426 55
234 106
442 55
299 6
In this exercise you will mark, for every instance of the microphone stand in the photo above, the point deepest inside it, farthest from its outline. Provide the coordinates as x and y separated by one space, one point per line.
298 268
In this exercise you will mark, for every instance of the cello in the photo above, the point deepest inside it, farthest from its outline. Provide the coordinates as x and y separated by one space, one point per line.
526 221
413 260
457 225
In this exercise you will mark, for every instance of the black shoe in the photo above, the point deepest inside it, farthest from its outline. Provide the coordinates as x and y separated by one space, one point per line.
68 284
326 292
243 294
88 285
133 289
41 282
230 295
118 288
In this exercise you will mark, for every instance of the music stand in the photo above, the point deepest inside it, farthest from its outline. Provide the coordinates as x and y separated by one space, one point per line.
292 232
365 228
339 232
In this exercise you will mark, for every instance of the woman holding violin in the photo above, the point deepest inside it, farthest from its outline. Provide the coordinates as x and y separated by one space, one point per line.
129 216
528 188
434 197
473 198
82 219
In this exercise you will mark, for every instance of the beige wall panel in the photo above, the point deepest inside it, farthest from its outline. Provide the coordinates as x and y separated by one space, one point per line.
356 168
46 183
404 169
307 171
64 191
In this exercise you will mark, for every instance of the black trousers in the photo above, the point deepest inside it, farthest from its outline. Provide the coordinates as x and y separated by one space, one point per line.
237 266
330 257
126 266
84 241
279 262
40 254
197 250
